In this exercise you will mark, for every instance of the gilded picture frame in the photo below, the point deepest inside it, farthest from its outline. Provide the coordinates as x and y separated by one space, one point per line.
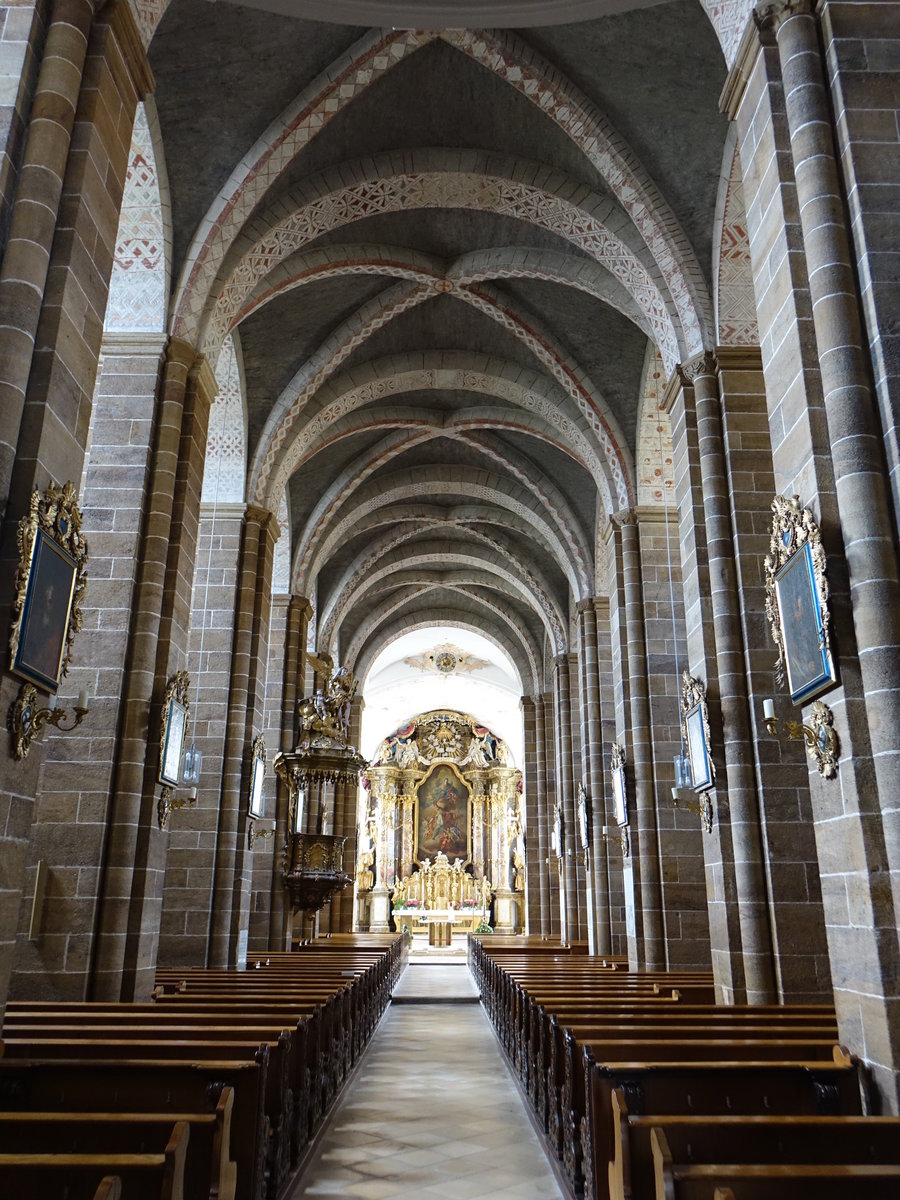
695 728
50 584
698 749
619 790
175 716
797 600
443 799
256 802
807 659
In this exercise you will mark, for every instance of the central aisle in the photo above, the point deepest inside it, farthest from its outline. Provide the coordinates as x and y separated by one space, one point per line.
433 1110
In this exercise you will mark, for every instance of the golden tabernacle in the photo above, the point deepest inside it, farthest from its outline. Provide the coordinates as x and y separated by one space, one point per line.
441 834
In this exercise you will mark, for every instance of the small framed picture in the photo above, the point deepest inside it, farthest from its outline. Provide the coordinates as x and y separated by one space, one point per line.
807 658
702 776
257 776
46 612
174 727
584 817
620 805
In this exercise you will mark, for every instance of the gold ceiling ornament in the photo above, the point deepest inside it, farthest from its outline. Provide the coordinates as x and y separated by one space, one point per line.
53 514
794 527
446 659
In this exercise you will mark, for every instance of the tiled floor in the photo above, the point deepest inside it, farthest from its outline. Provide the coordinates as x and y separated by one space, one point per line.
433 1111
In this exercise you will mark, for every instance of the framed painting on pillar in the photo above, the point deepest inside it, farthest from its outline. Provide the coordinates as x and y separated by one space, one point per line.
695 730
619 795
50 582
257 776
175 714
443 816
797 600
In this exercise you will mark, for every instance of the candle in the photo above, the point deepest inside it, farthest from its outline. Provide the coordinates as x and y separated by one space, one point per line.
83 698
51 702
769 709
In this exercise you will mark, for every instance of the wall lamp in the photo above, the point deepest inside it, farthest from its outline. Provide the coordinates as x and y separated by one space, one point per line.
819 735
27 721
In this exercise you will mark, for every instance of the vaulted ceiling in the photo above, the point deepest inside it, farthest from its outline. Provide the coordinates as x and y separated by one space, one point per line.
445 257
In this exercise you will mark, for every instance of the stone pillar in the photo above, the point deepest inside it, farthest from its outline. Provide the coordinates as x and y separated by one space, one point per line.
854 432
794 911
53 294
646 948
612 902
731 684
555 915
565 785
533 871
24 36
814 444
592 770
81 66
537 801
133 868
230 917
299 612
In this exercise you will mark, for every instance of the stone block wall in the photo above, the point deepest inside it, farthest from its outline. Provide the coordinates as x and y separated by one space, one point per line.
187 894
680 840
862 55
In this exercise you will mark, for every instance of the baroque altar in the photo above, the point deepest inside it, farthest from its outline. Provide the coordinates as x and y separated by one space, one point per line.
442 831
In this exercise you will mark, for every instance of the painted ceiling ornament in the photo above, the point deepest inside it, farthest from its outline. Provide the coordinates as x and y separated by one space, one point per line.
446 659
446 736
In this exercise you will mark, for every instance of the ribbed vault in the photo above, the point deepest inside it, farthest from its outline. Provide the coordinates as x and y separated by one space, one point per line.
459 273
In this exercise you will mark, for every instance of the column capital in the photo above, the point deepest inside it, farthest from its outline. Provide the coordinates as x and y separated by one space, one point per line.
624 517
696 368
773 13
255 514
302 605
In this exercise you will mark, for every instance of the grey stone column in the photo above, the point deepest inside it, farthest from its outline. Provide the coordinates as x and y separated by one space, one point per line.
550 737
649 951
299 612
229 919
731 683
592 770
532 818
854 430
538 797
566 787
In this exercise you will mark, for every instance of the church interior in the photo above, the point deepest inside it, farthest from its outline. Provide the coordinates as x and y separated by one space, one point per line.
449 498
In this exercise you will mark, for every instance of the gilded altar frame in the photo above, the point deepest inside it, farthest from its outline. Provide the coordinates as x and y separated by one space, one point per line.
452 850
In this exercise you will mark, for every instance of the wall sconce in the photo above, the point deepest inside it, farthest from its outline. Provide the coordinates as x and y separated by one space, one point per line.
169 803
701 808
618 834
819 735
255 833
27 721
191 765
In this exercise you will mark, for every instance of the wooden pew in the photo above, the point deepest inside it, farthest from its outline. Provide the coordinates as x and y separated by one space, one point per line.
738 1088
208 1173
769 1181
145 1176
753 1138
42 1085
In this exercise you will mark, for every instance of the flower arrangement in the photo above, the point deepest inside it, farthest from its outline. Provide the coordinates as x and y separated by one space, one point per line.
483 927
468 904
410 902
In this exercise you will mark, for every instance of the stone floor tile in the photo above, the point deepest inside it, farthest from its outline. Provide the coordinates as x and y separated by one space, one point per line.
433 1110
